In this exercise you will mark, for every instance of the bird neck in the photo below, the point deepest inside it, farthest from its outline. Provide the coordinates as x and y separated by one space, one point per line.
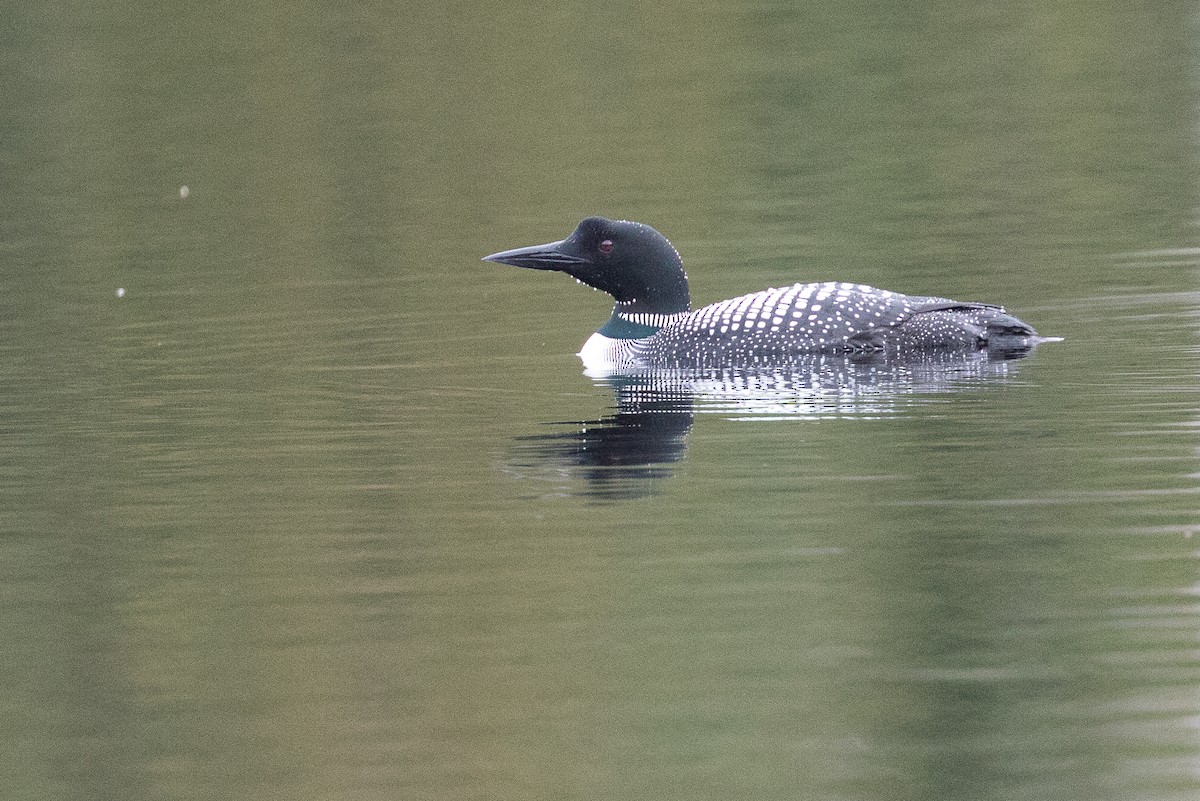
660 291
628 324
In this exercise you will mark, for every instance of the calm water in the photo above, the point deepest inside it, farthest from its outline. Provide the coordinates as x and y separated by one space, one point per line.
322 506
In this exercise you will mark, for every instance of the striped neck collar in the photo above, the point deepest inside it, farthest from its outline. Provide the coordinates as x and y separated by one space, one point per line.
636 325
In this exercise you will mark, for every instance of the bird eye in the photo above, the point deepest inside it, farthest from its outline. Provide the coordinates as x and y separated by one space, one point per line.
605 246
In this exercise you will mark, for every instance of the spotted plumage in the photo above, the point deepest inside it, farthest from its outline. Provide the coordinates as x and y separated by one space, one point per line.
652 325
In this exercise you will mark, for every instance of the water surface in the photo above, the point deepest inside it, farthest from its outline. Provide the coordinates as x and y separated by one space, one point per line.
321 506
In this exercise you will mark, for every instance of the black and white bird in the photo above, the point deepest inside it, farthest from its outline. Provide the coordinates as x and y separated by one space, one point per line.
653 325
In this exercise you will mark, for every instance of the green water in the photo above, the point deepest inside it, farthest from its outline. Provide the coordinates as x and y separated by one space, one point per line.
320 506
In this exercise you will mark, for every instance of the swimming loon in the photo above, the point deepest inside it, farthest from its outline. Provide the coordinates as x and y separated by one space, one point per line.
653 326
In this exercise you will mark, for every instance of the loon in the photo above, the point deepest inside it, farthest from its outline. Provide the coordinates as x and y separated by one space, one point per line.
653 325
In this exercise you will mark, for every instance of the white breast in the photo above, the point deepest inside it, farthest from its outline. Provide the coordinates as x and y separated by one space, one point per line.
602 355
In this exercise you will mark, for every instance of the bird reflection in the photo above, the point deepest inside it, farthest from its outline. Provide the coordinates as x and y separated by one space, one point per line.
620 455
626 454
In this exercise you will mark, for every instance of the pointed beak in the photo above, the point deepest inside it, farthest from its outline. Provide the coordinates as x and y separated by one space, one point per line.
549 256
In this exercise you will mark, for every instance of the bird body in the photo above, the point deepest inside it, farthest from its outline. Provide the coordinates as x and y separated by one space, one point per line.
653 326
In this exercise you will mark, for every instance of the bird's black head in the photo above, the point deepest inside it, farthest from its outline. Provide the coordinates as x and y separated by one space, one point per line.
628 260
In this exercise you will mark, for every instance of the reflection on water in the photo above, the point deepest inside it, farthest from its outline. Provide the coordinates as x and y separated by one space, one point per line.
620 455
623 454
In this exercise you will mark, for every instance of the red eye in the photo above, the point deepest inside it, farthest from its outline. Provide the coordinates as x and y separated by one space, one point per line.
605 246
